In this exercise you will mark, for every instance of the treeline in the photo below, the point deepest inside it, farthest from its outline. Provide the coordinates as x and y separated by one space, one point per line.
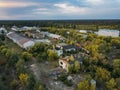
72 24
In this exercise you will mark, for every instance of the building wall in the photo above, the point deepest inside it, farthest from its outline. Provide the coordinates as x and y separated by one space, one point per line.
68 50
28 44
63 64
25 45
105 32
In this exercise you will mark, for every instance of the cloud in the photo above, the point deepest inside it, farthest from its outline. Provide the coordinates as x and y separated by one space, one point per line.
95 2
42 11
102 3
14 4
70 9
59 9
3 14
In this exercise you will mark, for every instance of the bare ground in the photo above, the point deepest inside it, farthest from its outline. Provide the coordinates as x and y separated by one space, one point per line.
41 71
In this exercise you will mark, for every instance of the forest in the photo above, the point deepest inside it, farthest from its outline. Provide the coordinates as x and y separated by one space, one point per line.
69 24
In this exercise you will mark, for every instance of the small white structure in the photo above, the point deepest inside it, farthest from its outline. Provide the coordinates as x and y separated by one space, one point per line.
59 52
37 30
21 41
26 28
93 82
55 36
82 31
107 32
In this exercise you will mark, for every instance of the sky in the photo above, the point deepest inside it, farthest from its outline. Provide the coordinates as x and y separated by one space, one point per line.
59 9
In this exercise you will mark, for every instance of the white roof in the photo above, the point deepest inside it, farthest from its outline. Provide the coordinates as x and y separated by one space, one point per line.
54 35
107 32
42 40
83 31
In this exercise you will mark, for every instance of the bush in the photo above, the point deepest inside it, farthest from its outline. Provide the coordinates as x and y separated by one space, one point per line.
68 82
64 79
2 62
13 83
3 87
42 57
26 56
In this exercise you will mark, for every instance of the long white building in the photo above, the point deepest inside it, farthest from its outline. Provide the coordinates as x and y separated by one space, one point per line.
107 32
21 41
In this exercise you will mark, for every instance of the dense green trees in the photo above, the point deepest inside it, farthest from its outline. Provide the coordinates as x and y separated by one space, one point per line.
38 48
111 84
3 86
77 67
2 37
84 85
40 51
102 74
65 80
116 43
72 24
33 84
10 54
43 52
20 66
118 83
52 55
30 83
72 58
23 79
74 68
26 56
42 57
71 68
116 68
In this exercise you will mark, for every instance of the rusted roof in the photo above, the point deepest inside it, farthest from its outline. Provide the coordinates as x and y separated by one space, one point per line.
21 40
24 40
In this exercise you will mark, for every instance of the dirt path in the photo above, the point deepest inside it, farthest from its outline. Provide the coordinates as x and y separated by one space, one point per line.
41 71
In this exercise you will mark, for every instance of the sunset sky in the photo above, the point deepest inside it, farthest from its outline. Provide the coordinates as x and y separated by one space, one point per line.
59 9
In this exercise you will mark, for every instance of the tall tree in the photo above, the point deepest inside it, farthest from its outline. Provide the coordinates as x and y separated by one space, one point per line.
102 75
84 85
72 58
26 56
23 78
20 66
111 84
52 55
77 66
116 68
